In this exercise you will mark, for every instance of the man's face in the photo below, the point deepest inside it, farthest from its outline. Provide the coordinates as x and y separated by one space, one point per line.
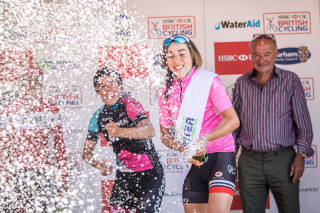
264 55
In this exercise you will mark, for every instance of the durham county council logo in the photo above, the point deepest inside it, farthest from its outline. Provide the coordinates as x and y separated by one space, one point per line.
293 55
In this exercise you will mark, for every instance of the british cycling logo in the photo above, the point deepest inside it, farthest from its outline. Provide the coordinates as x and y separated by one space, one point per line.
162 27
308 87
237 24
312 162
65 97
287 23
293 55
171 161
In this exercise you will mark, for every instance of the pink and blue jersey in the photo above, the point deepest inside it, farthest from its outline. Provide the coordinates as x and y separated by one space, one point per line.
218 101
133 155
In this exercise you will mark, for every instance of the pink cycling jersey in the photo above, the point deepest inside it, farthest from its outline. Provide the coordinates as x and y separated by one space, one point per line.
218 101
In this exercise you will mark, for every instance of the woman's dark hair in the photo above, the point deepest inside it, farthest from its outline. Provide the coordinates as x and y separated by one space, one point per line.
196 62
106 71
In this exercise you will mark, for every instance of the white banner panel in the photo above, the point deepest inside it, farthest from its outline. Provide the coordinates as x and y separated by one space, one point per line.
295 25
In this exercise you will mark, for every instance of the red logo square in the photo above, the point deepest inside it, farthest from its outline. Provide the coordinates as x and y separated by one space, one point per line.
232 58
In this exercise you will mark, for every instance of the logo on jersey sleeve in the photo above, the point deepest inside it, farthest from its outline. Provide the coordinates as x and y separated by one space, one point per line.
218 174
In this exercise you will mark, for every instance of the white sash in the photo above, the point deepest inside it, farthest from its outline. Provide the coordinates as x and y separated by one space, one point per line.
189 121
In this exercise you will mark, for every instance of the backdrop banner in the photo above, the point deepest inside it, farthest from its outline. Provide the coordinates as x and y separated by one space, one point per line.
71 39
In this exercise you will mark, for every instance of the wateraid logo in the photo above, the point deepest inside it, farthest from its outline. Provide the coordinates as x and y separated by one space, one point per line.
293 55
236 24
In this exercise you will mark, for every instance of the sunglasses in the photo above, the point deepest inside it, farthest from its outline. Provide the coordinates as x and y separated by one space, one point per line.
177 39
260 36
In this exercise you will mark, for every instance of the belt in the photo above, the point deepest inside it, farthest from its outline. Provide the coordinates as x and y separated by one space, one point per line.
274 152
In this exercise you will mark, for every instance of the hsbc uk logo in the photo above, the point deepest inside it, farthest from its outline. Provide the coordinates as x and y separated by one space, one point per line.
228 58
232 57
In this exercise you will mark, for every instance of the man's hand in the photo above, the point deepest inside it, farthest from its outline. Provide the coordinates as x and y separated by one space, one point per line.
113 129
297 167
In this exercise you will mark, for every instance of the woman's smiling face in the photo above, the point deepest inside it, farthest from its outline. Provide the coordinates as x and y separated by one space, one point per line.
109 90
179 59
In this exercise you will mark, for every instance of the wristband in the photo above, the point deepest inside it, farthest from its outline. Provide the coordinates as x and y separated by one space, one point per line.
304 155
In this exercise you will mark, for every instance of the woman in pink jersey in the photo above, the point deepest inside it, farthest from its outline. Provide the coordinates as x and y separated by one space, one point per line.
193 95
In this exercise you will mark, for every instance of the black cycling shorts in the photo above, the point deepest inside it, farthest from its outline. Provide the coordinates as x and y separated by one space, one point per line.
142 190
217 175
